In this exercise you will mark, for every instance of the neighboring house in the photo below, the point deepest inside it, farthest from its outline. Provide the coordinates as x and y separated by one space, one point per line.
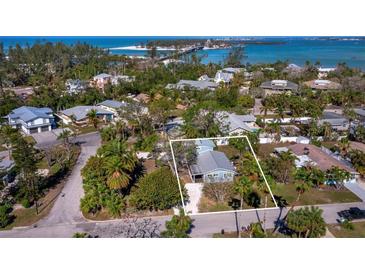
102 79
115 80
223 77
78 114
211 167
237 124
278 87
204 146
205 78
338 122
293 68
75 86
226 75
31 119
172 61
323 72
112 106
173 127
317 157
322 85
6 168
192 84
142 98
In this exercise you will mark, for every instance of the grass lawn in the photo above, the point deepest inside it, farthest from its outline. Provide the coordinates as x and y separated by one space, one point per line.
2 148
266 149
83 130
339 232
315 196
208 205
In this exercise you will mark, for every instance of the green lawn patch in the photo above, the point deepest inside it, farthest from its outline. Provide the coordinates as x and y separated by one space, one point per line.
314 196
340 232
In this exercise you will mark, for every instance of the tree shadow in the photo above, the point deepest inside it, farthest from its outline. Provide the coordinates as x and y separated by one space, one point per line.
282 203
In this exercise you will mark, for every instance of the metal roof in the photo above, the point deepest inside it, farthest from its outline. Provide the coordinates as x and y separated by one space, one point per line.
276 85
210 161
112 104
80 112
234 121
207 143
199 85
27 114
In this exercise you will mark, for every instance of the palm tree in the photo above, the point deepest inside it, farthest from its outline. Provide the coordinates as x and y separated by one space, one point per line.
262 187
118 173
92 116
242 187
300 188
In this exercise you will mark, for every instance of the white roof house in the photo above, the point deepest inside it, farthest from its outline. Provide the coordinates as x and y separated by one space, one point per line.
237 124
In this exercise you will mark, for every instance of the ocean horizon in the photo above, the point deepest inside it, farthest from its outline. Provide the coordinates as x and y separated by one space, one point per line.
329 51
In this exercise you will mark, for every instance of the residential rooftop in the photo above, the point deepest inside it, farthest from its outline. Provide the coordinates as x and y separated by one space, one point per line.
210 161
27 114
80 112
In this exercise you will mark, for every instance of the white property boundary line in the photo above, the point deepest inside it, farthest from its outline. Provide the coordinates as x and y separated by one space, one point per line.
220 138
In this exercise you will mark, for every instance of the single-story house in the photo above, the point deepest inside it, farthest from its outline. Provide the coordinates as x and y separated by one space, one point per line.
321 159
167 62
192 84
293 68
31 119
237 124
322 85
278 87
338 122
211 167
112 105
78 114
323 72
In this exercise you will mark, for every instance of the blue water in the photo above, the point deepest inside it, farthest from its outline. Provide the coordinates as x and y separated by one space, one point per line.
328 52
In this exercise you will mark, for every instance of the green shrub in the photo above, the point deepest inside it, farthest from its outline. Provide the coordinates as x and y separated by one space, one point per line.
5 217
157 191
26 203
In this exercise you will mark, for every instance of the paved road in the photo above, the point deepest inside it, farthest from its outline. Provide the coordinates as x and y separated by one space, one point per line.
357 188
204 225
84 138
66 209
